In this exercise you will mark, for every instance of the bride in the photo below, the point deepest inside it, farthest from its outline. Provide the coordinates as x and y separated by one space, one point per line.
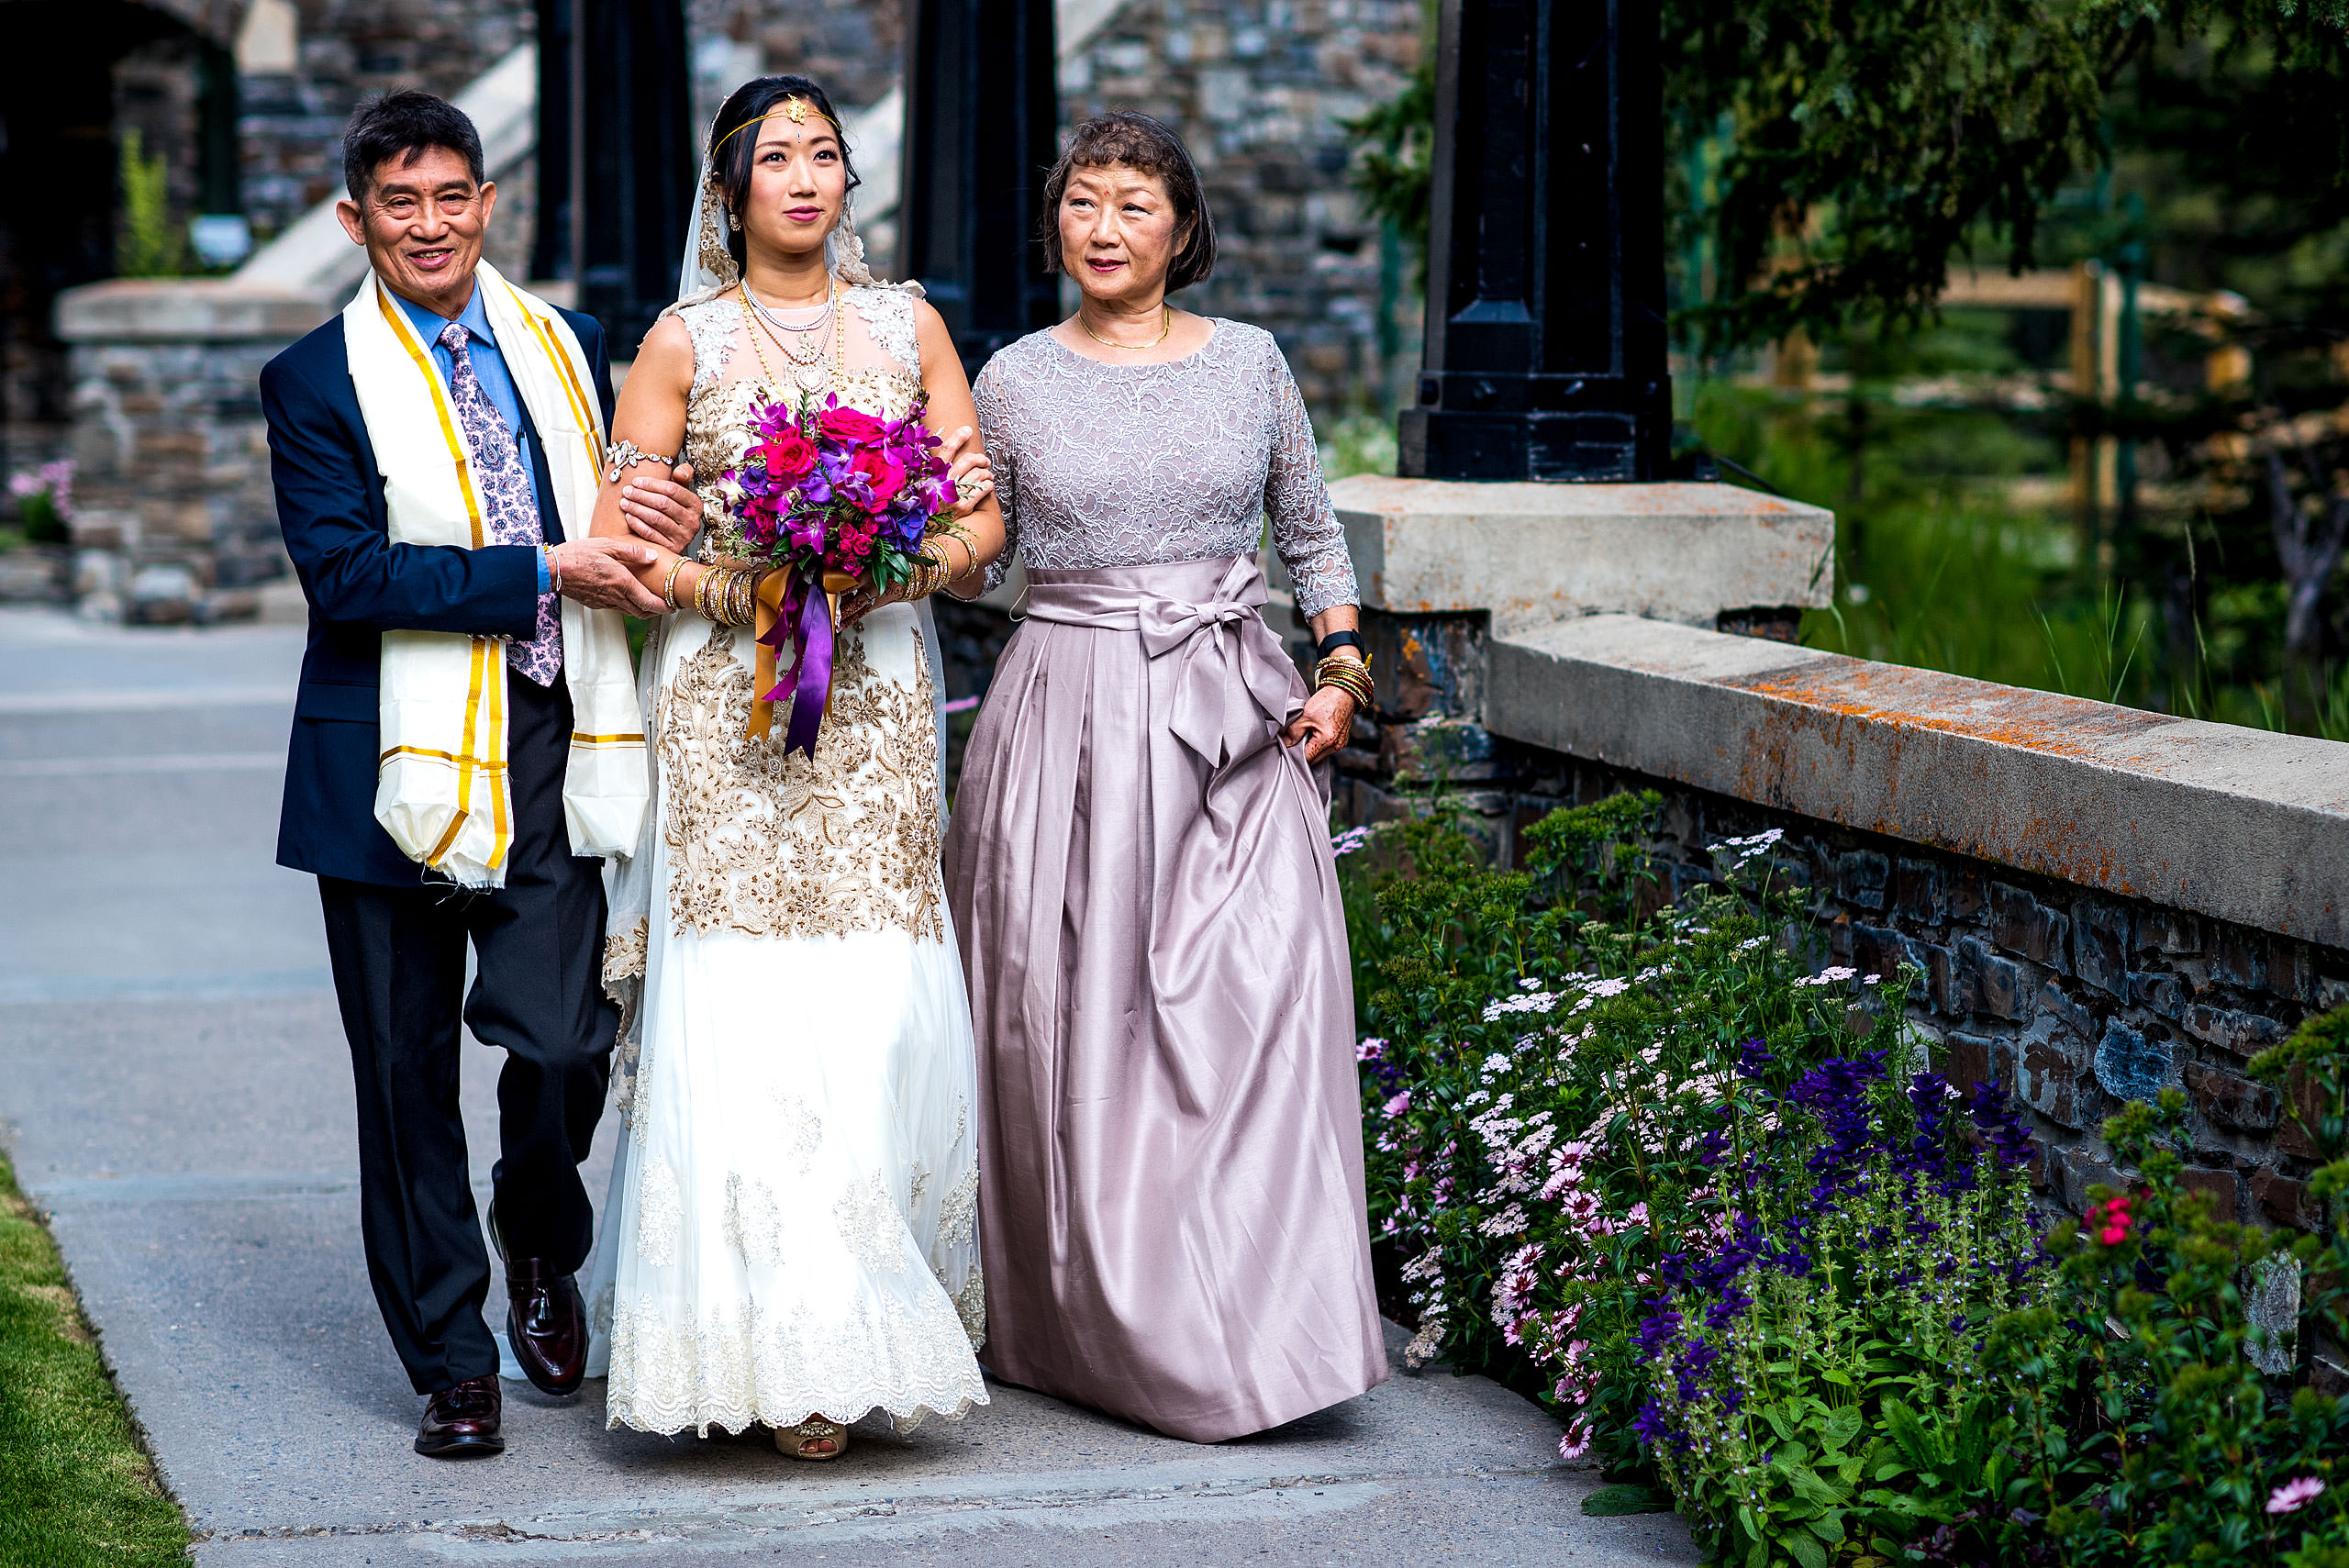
792 1239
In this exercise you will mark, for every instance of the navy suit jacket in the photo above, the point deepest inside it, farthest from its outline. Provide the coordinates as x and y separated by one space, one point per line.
359 586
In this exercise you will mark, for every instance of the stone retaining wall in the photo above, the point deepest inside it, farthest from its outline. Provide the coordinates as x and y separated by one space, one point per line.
2074 989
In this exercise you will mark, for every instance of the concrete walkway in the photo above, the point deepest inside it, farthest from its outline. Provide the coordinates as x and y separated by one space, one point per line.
175 1093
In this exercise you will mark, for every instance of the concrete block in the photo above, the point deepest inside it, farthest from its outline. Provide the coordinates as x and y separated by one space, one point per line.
2274 1310
2233 1102
1534 553
2132 1065
2284 1200
2100 945
2245 1034
2021 924
1861 878
2163 994
2238 824
1984 983
2170 932
2048 1077
1917 891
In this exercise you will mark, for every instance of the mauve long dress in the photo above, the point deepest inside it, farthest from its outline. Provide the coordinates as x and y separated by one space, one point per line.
1172 1217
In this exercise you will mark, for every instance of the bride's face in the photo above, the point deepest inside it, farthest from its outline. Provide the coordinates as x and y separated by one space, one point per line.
798 184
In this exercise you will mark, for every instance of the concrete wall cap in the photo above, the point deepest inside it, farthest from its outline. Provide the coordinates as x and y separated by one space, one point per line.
188 310
2243 825
1533 554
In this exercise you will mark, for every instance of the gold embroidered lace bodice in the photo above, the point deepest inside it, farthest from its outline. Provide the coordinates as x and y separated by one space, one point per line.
757 840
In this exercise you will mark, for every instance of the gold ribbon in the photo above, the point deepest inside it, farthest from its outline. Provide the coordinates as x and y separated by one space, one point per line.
769 604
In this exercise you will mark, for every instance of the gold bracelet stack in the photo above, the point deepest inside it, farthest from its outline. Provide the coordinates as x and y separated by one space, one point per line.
1351 676
929 574
669 585
725 595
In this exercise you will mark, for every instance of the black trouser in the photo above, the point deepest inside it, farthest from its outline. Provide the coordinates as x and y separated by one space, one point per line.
399 971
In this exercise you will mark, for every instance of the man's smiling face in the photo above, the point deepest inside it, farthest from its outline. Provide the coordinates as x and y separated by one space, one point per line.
422 223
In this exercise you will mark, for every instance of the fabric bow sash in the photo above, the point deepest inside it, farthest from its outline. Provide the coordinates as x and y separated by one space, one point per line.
1216 643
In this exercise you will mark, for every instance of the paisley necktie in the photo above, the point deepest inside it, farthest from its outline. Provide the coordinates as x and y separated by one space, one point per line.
510 504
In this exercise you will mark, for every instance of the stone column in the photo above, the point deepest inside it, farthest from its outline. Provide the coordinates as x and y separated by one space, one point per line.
174 520
1447 565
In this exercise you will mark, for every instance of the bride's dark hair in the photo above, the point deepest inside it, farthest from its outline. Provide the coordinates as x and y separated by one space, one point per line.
735 144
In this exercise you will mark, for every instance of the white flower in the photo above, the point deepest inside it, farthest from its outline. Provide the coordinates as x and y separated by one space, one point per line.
1531 1002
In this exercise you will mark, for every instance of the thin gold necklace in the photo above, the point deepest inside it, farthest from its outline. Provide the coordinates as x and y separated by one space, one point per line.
809 377
1163 332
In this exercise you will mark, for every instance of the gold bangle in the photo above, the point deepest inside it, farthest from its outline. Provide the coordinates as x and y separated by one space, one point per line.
669 585
746 598
708 579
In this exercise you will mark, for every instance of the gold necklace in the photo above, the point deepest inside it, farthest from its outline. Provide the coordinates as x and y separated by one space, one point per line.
1163 332
810 377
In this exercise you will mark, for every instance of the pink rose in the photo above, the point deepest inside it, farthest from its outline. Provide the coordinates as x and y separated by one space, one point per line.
789 456
850 424
886 477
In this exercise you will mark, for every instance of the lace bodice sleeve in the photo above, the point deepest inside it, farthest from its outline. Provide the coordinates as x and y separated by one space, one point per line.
1305 532
987 395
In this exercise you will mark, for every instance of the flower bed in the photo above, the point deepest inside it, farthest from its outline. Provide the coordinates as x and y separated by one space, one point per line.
1719 1212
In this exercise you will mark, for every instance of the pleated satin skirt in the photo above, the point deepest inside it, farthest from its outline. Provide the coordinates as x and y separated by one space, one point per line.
1172 1213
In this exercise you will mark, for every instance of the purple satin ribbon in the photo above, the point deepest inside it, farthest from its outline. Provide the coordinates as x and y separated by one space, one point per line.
807 623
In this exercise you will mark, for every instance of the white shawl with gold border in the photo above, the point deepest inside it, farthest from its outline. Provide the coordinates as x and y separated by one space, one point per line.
442 787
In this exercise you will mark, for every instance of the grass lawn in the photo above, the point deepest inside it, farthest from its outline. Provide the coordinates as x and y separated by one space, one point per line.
74 1488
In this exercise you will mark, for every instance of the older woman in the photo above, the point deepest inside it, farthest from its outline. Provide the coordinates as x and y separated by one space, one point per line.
1171 1179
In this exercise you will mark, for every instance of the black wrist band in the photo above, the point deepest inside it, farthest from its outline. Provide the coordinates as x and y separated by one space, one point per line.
1335 640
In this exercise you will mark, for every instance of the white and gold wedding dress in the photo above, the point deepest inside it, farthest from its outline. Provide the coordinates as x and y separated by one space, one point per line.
792 1227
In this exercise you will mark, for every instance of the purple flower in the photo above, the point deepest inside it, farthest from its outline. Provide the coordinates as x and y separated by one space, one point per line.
1995 1115
1726 1311
1753 1058
1654 1429
1657 1331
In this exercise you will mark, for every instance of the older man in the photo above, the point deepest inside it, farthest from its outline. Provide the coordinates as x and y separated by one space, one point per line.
428 447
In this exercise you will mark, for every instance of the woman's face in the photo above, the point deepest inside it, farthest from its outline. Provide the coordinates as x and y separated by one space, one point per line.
799 181
1118 234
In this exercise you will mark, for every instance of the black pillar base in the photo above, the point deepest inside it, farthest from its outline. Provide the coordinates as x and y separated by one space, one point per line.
1586 429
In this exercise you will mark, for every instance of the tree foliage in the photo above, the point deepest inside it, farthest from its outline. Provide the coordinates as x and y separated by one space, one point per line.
1869 140
1860 144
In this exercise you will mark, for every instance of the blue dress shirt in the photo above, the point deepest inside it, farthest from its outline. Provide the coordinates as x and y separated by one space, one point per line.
489 368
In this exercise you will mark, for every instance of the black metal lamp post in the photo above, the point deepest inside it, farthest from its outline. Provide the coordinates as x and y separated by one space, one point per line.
982 123
617 159
1545 330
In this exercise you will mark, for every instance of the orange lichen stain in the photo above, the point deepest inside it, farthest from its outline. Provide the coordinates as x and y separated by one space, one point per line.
1838 702
1951 705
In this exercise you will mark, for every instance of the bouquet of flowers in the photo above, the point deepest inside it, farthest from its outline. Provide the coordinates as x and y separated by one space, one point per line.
835 498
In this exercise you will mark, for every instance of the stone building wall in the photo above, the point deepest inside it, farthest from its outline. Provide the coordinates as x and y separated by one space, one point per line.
1258 89
291 125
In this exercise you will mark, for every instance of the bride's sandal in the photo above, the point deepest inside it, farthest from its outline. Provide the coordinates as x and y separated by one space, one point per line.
814 1438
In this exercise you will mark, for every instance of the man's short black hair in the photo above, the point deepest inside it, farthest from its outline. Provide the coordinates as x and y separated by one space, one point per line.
405 125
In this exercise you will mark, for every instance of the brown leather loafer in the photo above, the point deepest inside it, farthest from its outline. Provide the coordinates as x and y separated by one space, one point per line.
546 1324
546 1321
463 1422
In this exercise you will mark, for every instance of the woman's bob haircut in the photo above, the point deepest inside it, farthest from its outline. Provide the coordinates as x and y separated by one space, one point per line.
1144 145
